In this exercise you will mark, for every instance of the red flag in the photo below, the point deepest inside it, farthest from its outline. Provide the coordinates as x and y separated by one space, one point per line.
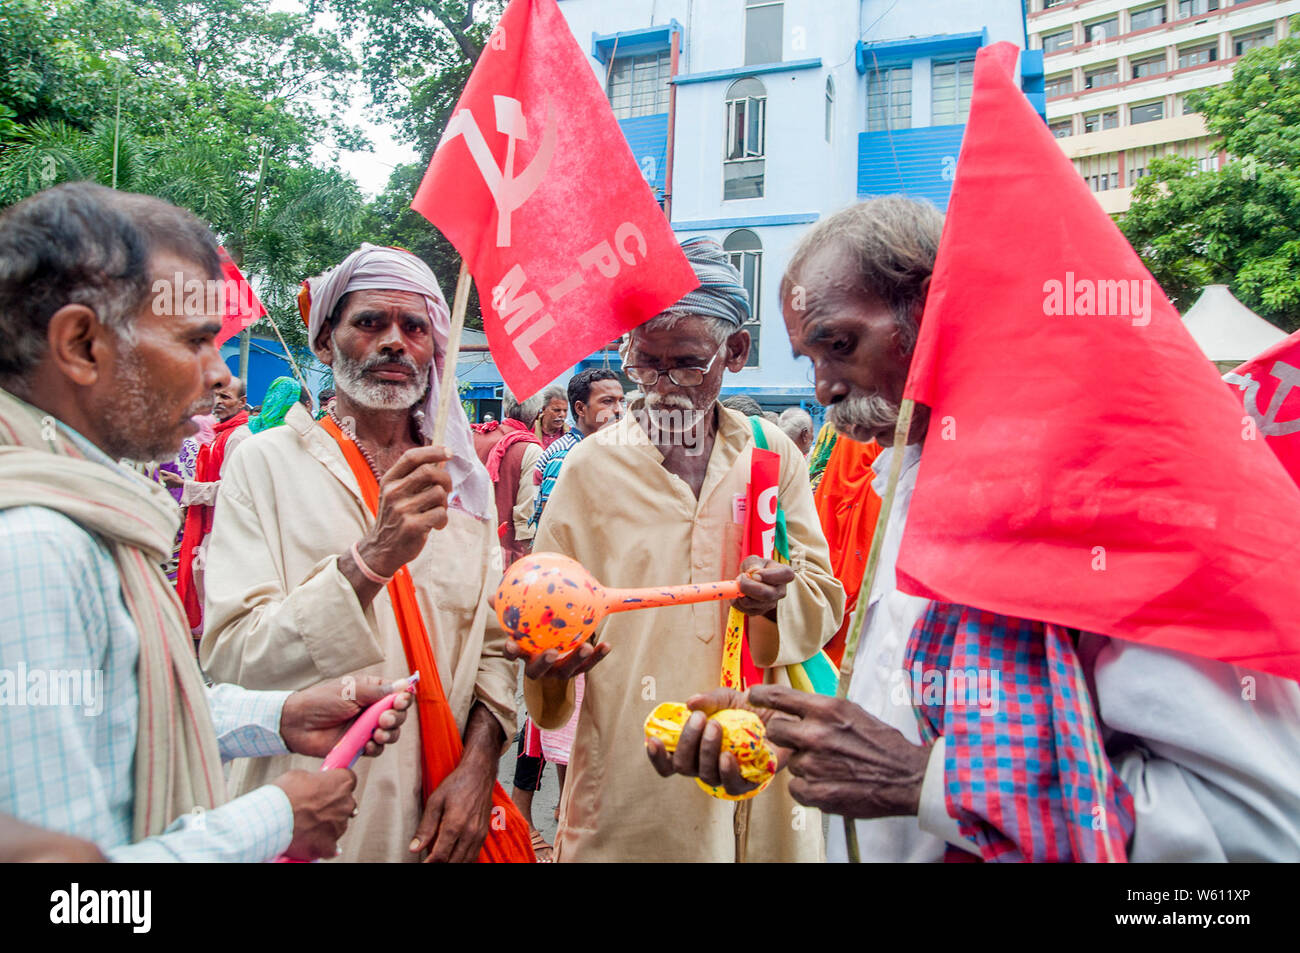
760 532
1084 464
1269 389
242 304
537 188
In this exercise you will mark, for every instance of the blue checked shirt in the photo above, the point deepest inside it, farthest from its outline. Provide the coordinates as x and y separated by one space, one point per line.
69 706
548 468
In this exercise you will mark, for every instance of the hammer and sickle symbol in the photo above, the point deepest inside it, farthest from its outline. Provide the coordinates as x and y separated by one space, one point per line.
1287 377
509 191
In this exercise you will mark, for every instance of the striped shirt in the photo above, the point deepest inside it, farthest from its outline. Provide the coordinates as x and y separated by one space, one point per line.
547 470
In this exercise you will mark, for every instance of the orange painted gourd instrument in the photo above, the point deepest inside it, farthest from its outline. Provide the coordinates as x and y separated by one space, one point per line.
549 601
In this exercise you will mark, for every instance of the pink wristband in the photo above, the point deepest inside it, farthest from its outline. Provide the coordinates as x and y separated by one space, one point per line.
366 571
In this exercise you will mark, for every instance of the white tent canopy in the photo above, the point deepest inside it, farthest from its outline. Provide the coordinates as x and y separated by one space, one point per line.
1227 331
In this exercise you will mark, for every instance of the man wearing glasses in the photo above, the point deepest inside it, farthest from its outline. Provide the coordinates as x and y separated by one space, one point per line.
653 500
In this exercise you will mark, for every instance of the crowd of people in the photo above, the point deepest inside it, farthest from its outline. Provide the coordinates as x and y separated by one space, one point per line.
325 556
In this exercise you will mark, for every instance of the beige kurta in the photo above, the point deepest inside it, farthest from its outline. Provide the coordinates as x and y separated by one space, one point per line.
632 523
280 615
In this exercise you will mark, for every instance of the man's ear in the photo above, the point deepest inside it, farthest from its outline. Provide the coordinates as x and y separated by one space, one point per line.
78 344
323 346
738 345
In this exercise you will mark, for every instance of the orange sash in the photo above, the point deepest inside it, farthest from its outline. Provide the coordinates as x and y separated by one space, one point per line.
508 840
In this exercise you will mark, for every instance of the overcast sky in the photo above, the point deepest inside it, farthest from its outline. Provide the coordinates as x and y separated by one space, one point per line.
370 169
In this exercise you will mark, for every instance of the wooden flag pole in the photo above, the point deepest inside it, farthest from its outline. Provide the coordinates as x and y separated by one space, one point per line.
288 355
901 430
447 383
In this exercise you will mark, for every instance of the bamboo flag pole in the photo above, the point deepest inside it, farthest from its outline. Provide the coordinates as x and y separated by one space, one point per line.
447 383
901 430
288 355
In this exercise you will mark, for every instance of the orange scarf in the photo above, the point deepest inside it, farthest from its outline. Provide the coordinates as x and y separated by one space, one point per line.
508 839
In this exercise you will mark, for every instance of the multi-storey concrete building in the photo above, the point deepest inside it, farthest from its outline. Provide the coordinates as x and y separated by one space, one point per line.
1118 72
752 119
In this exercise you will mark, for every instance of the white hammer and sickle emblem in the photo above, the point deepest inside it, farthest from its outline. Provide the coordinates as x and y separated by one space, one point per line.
1287 377
509 191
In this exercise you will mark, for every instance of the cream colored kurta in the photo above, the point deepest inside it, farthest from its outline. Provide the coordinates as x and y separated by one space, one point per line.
280 615
632 523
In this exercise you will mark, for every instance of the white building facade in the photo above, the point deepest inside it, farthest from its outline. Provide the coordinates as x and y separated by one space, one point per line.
753 119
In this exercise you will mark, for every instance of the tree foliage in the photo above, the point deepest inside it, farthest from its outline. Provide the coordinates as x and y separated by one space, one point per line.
1239 225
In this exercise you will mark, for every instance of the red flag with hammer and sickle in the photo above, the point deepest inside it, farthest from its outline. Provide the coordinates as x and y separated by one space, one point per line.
1084 463
536 186
1269 389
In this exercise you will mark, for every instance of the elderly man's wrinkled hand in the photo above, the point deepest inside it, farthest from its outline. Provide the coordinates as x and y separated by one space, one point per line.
762 585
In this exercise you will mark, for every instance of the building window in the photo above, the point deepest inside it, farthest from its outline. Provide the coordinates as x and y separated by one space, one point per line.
746 253
1150 16
1106 29
763 31
1062 129
1151 66
1096 122
1147 112
746 133
1198 56
950 89
1058 41
1251 41
1106 76
1194 8
638 85
889 99
830 106
1100 172
1059 85
1048 4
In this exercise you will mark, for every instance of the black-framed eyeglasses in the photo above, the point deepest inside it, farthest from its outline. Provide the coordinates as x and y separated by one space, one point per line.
681 376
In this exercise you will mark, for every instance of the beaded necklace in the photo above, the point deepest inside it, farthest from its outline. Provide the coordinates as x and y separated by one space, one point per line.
417 418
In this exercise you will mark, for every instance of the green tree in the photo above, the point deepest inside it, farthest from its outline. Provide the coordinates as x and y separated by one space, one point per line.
1239 225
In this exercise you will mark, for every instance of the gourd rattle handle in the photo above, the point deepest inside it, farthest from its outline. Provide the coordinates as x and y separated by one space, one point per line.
622 600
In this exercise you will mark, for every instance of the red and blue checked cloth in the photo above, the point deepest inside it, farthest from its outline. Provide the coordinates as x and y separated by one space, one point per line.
1022 781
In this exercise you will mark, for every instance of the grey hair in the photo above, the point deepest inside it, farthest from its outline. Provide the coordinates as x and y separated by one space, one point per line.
526 412
717 328
81 243
554 393
794 420
893 242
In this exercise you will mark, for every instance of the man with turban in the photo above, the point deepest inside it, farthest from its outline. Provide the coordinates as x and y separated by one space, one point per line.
680 462
351 546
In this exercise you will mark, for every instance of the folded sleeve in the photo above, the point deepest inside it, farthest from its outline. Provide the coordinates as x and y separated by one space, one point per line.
247 722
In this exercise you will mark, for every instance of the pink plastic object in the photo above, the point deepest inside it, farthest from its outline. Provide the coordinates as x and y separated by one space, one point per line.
348 750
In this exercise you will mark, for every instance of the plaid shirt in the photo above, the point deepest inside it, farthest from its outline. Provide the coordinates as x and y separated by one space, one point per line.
69 706
547 470
1021 778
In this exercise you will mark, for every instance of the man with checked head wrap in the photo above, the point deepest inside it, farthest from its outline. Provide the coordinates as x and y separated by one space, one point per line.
351 547
649 501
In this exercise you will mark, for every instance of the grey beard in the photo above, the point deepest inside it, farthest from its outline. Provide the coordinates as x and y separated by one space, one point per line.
350 378
866 413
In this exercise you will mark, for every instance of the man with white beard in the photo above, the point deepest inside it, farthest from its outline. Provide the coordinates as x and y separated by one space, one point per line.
350 546
653 500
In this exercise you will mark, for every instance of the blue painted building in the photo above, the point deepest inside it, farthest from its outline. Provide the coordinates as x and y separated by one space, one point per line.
785 112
